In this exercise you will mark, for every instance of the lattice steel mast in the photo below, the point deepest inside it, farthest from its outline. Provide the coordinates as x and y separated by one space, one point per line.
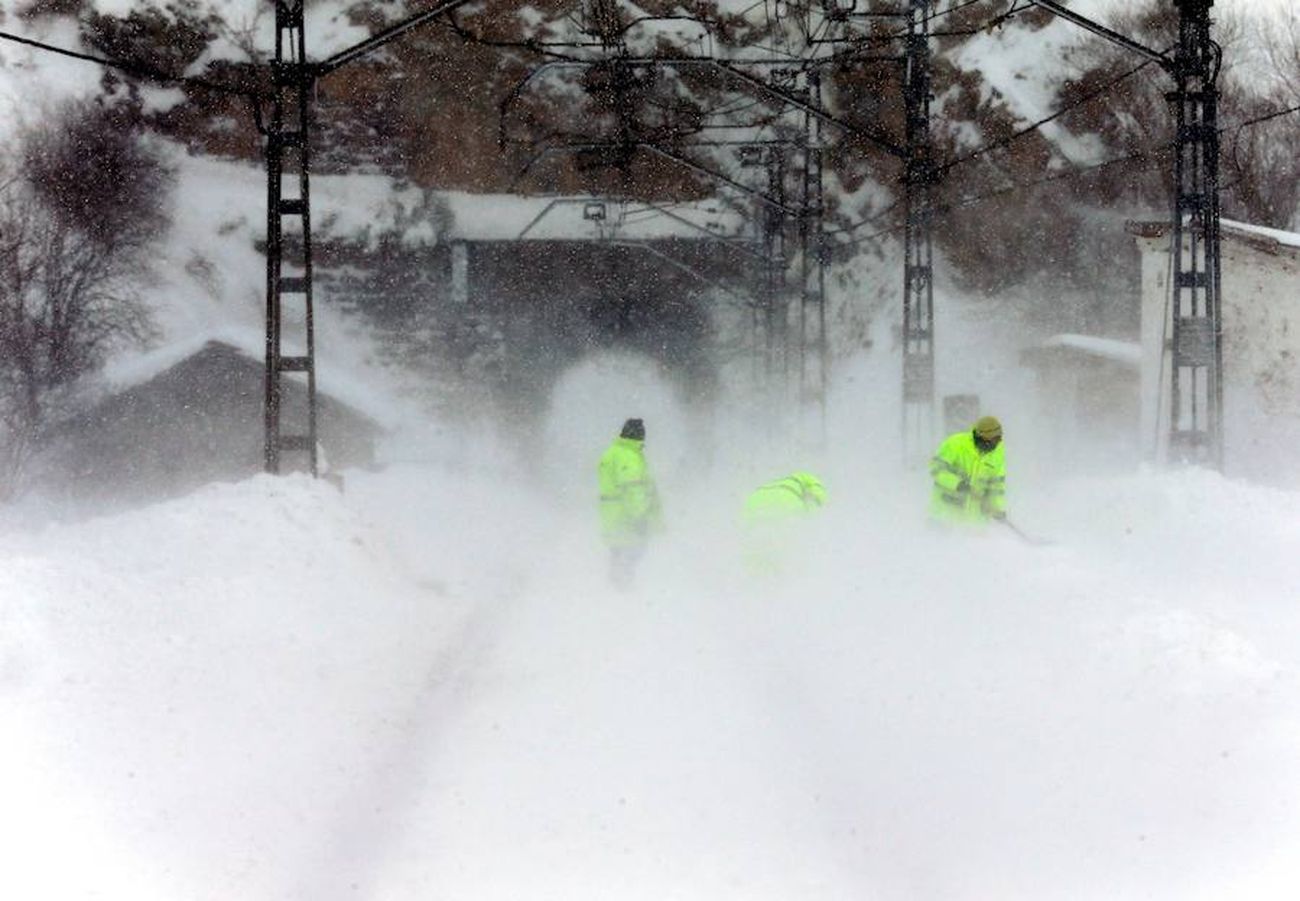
1196 369
288 142
919 179
775 302
1196 432
814 346
287 155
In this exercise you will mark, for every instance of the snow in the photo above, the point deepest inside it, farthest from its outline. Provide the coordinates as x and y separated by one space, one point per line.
211 285
1285 238
29 83
161 100
331 30
127 372
347 204
500 217
1021 67
1126 352
424 686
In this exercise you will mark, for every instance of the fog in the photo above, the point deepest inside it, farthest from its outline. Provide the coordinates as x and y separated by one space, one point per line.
425 686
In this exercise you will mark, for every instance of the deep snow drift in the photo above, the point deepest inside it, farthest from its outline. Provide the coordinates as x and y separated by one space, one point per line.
423 687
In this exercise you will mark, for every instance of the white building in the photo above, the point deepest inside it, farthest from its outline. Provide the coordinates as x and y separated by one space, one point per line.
1086 403
1261 351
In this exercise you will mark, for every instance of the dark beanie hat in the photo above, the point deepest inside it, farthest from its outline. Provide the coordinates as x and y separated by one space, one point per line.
633 428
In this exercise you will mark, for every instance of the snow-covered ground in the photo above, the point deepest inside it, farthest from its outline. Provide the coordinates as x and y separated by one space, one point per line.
423 687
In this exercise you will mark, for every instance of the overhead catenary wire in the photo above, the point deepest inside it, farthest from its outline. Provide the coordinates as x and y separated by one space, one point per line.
1030 129
146 71
1061 176
138 69
937 14
978 199
1259 120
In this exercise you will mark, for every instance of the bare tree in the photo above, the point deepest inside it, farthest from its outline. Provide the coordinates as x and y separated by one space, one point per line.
80 208
1262 175
1281 42
1263 169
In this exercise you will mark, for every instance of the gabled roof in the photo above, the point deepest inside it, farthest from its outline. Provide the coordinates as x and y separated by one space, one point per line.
215 372
1268 240
344 384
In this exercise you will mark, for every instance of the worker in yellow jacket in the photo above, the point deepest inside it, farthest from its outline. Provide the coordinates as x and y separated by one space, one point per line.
770 530
629 502
970 475
798 493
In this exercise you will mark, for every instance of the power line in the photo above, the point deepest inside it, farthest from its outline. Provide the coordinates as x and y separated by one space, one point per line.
946 12
138 69
1029 129
1267 117
874 217
989 195
1024 186
939 14
469 37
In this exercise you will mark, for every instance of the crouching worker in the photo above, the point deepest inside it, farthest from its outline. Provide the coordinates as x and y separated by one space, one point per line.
771 518
629 503
970 476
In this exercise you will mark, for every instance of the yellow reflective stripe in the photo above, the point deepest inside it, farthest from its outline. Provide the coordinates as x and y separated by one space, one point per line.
938 465
792 485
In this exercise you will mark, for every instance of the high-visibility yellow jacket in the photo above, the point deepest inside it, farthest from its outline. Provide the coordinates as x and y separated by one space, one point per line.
629 503
969 486
794 495
770 540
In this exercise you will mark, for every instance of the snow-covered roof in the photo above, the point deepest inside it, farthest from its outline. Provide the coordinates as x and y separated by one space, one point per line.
351 205
338 380
1125 353
1285 238
1271 239
128 372
514 217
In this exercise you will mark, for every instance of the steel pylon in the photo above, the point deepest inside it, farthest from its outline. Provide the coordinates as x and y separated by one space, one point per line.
1196 314
919 179
289 268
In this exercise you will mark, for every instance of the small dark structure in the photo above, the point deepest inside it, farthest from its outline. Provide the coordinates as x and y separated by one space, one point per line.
197 422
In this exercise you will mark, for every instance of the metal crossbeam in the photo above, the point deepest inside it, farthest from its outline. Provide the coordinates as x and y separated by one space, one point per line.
374 42
882 141
1103 32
